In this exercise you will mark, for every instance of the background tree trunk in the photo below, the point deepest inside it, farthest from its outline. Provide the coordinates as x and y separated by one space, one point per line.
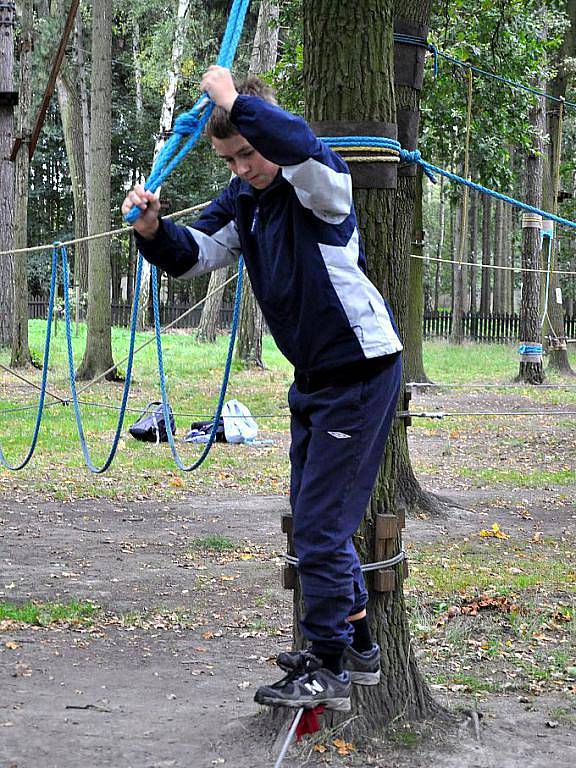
554 319
350 78
473 251
485 297
263 59
499 280
208 326
530 331
98 353
166 117
71 116
7 17
413 359
20 349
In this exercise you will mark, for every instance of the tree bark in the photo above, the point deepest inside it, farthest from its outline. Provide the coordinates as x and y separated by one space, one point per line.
166 117
20 349
71 116
263 59
532 372
441 237
208 325
7 16
499 281
485 297
413 359
554 316
473 251
348 70
98 353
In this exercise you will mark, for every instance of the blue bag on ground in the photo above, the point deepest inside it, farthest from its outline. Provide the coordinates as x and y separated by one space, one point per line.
151 426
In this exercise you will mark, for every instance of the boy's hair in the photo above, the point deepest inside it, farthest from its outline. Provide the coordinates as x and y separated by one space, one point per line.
219 125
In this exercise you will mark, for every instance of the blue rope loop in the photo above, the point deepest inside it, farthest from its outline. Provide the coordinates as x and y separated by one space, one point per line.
422 43
47 341
361 141
71 372
225 377
191 124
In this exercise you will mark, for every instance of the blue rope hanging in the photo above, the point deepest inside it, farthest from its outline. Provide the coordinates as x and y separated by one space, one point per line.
225 377
127 383
24 462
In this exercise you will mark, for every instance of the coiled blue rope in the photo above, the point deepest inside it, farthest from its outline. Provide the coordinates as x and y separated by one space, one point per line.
89 463
225 377
190 124
40 410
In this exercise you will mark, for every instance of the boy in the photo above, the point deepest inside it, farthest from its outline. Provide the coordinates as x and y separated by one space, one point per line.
289 211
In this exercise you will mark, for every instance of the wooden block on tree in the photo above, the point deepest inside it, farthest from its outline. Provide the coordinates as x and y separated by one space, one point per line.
401 515
287 524
405 569
288 577
386 527
384 581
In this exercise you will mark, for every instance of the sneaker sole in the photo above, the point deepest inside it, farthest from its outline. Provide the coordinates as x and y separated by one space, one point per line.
337 705
364 678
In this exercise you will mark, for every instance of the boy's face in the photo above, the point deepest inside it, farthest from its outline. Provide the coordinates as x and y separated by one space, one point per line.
245 162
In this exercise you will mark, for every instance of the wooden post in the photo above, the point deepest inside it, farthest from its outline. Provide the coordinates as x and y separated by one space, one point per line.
289 573
386 536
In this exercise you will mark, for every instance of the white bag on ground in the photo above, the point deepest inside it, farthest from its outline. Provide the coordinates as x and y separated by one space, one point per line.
239 426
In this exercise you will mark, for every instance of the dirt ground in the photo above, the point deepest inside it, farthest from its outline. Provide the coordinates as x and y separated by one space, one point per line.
166 677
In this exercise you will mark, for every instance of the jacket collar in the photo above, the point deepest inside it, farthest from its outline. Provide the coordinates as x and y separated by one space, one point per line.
257 194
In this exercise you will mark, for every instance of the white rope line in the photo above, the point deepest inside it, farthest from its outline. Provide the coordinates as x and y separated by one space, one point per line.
491 266
444 414
400 557
31 383
111 233
450 385
165 328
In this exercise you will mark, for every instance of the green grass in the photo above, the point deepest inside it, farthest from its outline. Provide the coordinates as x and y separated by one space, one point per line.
44 614
215 543
143 470
521 479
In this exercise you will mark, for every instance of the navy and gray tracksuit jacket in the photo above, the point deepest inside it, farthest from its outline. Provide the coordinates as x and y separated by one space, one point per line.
304 255
300 242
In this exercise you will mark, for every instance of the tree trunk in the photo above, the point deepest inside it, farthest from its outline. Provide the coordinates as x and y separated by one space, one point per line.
98 353
459 277
473 251
554 316
532 372
350 78
413 360
7 17
263 59
71 116
83 79
441 236
485 298
208 325
499 281
20 349
166 117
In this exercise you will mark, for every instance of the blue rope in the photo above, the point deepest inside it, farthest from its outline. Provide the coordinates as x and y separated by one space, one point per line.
190 124
366 141
421 42
429 169
92 467
225 377
32 448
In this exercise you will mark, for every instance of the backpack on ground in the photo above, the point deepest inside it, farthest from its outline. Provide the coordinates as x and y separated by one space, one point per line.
151 426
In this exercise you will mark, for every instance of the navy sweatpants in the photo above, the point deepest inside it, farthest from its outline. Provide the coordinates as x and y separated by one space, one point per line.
338 439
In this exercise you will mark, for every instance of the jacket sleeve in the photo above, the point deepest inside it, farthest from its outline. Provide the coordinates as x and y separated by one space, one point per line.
185 252
320 177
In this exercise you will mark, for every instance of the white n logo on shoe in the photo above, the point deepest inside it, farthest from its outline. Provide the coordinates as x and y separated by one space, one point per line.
314 687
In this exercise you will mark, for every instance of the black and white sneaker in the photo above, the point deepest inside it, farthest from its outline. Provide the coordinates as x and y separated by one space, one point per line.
363 668
308 684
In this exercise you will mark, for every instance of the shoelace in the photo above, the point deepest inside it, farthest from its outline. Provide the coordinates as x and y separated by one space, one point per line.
305 663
